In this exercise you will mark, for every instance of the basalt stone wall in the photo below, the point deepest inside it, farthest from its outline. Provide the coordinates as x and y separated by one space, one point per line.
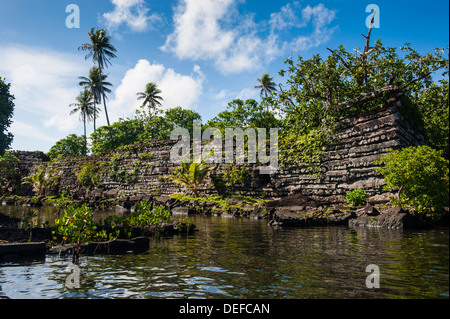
28 161
349 163
141 171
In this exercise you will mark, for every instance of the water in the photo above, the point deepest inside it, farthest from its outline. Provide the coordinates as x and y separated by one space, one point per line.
242 258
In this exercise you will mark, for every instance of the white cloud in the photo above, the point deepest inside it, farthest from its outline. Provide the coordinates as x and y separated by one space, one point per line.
286 18
321 17
215 30
133 13
248 93
29 131
177 89
198 33
44 83
204 31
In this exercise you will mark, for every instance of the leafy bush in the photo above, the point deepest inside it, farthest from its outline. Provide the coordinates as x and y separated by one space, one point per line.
191 175
421 176
6 113
72 145
141 220
8 172
40 179
89 175
356 197
77 227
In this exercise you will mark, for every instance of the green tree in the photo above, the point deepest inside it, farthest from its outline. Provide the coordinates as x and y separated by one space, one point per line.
39 179
420 174
85 106
433 105
97 86
191 175
123 132
89 175
6 113
151 96
244 114
179 117
321 92
9 174
72 145
142 129
77 227
101 50
266 85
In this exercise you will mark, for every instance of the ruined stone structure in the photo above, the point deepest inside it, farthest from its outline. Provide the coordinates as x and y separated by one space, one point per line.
142 170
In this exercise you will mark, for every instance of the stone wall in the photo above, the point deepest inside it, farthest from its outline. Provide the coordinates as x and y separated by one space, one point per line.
349 164
142 170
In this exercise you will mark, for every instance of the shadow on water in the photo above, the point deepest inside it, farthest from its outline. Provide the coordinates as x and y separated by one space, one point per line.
242 258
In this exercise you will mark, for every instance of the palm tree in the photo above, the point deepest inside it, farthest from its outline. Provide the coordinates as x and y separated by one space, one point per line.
39 180
191 175
266 84
96 85
150 96
101 51
84 105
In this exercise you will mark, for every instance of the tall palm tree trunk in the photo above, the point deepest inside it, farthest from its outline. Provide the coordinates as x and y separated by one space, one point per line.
103 93
85 137
95 115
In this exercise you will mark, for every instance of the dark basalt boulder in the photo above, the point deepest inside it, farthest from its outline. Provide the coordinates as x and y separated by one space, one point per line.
392 218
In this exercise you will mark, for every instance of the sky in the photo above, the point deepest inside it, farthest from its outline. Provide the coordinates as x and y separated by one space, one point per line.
202 54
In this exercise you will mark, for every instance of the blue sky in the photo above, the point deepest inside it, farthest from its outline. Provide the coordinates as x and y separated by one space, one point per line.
201 53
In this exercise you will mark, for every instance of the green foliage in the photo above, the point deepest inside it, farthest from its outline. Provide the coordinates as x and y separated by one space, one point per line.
266 85
179 117
89 175
245 114
322 92
140 221
77 227
190 175
108 138
433 104
421 175
234 175
28 222
8 172
151 97
40 179
305 150
356 197
71 145
6 113
144 128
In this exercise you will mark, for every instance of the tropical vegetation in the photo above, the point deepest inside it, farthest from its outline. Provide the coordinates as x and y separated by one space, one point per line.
39 179
151 97
191 175
6 113
97 86
86 107
318 95
101 51
72 145
420 176
356 197
76 227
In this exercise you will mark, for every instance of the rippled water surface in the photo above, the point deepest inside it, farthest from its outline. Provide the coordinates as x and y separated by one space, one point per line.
241 258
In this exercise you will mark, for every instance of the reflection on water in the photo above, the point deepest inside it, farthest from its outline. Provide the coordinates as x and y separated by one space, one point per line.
241 258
